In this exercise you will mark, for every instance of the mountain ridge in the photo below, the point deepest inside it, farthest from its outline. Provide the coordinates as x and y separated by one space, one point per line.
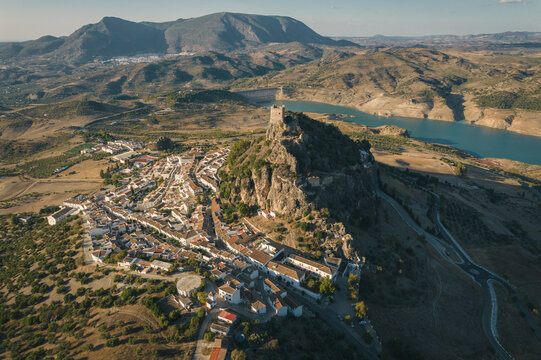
113 37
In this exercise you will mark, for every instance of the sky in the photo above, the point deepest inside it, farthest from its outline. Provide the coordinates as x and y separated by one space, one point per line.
30 19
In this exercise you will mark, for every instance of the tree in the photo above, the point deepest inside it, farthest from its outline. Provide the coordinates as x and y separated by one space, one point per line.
360 310
164 143
460 169
353 282
209 336
326 287
202 297
244 209
238 354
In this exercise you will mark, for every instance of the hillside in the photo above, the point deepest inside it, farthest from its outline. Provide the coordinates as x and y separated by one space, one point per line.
302 165
509 40
203 70
422 83
112 37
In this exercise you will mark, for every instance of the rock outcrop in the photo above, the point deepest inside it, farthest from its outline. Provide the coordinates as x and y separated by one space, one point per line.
300 165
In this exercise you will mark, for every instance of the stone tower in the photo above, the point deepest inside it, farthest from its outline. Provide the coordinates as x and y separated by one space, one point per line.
277 114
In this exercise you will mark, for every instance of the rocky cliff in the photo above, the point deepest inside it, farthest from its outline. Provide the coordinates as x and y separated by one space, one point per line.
302 164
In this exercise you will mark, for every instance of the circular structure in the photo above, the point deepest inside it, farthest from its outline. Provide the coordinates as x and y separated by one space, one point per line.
187 284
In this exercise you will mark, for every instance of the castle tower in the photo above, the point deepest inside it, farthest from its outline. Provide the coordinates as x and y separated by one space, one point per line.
277 114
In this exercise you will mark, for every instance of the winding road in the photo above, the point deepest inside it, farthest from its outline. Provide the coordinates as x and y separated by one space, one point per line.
481 275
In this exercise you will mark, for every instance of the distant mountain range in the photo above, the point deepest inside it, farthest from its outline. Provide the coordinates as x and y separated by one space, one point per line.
510 38
113 37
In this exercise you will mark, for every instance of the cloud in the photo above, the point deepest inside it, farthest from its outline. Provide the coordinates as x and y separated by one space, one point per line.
510 1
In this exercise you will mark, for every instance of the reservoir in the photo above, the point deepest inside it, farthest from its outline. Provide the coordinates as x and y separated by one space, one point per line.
477 140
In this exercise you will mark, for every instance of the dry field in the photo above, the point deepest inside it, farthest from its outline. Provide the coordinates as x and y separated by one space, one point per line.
21 194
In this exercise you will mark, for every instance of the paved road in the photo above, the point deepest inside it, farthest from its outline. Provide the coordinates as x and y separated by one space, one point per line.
486 278
331 318
198 354
482 276
434 241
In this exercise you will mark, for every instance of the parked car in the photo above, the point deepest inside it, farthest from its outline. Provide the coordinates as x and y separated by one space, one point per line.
340 317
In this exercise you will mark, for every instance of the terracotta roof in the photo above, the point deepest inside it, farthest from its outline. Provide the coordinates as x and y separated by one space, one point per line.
259 256
277 302
227 315
227 289
258 305
284 270
274 288
218 354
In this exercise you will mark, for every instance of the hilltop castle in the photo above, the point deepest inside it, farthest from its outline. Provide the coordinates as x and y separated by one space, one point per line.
277 114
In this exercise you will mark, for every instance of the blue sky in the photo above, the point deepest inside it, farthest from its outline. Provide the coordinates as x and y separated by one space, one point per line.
29 19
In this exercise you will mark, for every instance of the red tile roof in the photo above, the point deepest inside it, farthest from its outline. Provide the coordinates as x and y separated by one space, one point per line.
227 315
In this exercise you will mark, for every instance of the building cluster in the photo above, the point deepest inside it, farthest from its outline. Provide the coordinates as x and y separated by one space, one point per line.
156 217
113 147
259 257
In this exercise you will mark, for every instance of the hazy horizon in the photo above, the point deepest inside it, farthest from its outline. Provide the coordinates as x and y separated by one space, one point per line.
31 19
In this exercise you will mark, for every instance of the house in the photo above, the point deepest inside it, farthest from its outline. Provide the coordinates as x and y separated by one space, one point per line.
227 317
126 262
278 305
219 328
122 158
185 302
314 267
290 275
272 288
251 272
258 307
258 258
218 274
239 264
266 213
211 301
60 215
24 218
75 203
161 265
293 307
99 255
229 294
333 261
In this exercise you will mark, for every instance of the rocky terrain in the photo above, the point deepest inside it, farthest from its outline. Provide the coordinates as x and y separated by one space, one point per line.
302 165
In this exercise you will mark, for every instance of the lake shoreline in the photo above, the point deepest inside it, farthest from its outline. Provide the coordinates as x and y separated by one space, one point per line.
478 140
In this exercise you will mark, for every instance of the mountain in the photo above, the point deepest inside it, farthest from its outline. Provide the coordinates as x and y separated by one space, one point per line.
112 37
494 41
227 31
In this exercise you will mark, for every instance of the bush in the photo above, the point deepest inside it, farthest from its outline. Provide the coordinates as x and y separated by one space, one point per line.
112 342
360 310
238 354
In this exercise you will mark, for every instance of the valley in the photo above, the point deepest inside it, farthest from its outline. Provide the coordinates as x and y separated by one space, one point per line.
239 186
